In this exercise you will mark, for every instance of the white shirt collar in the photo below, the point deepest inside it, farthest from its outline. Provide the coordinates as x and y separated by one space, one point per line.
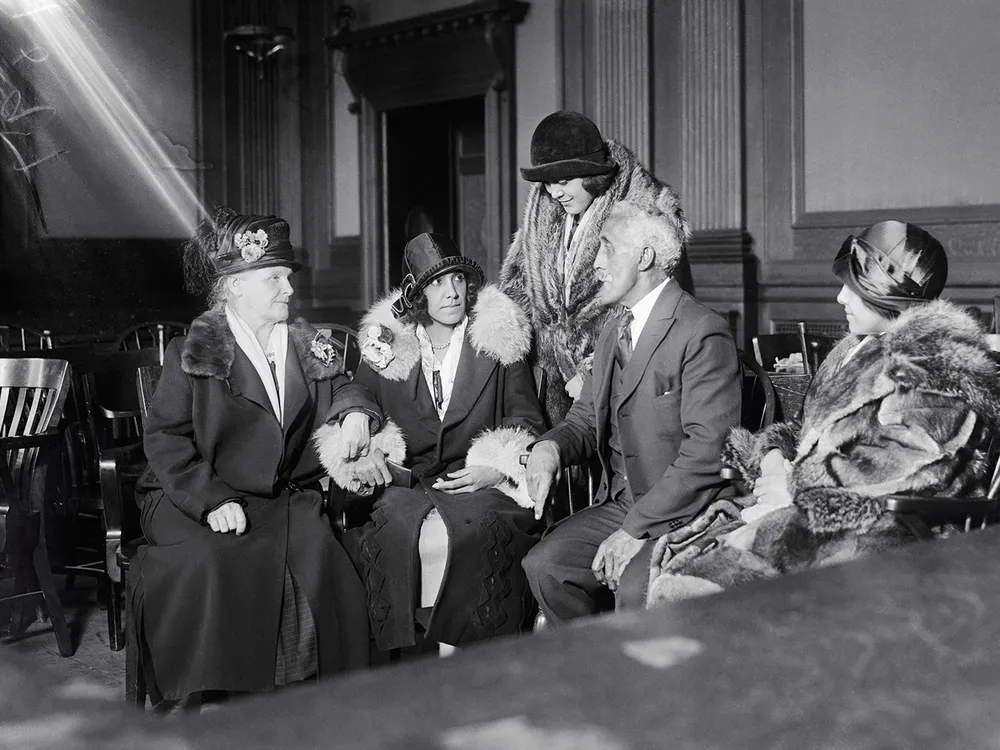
642 309
447 368
278 342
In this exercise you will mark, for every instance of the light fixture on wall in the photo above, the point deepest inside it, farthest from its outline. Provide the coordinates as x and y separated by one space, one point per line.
259 42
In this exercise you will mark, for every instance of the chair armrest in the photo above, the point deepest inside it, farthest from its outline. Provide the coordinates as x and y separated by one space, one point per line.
936 506
111 462
30 441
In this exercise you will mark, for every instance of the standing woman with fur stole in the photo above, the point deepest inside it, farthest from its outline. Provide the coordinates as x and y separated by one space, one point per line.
906 403
549 267
444 359
243 586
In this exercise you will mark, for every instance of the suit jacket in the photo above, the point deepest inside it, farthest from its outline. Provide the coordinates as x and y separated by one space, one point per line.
681 394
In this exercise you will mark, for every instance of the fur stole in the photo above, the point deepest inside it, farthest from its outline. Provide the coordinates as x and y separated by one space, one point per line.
210 347
497 329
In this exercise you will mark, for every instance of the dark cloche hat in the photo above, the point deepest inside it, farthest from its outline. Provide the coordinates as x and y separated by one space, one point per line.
248 241
567 145
426 257
892 265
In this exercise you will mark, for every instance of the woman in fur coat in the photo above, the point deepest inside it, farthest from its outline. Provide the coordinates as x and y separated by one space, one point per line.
460 409
905 404
549 266
243 585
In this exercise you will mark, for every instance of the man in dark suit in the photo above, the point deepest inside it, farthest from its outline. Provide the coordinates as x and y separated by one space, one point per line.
656 414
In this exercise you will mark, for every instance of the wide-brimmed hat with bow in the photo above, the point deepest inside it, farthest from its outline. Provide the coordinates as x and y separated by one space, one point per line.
892 265
567 145
426 257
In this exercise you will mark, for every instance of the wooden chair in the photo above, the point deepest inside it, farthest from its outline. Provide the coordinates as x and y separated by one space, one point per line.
759 401
346 340
16 338
147 378
813 348
32 395
153 334
113 453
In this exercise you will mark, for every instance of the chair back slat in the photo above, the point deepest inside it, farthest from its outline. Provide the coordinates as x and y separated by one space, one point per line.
18 338
147 379
758 395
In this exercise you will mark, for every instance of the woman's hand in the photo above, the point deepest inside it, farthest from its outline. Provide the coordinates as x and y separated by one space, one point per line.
371 470
772 490
356 435
228 517
574 386
469 479
774 463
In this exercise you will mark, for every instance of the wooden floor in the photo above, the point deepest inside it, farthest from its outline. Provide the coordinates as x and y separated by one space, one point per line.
93 660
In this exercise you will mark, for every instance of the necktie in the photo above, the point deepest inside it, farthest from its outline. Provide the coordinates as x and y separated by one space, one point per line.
625 338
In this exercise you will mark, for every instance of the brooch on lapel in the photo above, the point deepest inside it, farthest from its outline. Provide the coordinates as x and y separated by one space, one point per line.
323 350
377 348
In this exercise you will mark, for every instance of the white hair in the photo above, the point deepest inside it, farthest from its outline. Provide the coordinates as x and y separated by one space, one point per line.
652 228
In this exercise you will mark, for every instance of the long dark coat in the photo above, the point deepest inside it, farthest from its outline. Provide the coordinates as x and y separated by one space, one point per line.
208 605
492 417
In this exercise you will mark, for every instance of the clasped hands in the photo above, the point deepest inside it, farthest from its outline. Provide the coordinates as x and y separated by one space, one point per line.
371 469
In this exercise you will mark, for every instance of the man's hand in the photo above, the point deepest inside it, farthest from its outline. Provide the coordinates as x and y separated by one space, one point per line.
614 554
574 386
469 479
371 470
356 435
228 517
542 471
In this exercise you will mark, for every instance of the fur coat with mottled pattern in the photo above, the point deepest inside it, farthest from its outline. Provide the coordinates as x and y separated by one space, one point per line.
533 272
910 412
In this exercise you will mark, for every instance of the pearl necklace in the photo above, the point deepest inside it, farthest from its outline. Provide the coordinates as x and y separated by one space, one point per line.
438 348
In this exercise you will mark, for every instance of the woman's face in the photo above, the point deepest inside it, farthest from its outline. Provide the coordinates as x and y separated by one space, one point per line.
861 319
446 298
262 294
571 194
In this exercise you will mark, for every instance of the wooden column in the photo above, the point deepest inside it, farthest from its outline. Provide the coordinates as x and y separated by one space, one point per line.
698 48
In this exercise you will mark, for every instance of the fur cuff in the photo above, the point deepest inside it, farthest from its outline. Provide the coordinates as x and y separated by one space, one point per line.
831 509
501 449
328 440
744 449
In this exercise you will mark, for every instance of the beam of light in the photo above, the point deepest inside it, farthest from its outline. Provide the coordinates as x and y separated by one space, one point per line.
87 70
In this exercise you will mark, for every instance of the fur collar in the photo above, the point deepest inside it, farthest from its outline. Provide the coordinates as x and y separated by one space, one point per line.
498 329
210 347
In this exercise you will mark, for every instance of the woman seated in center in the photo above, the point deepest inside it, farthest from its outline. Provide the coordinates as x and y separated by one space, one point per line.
444 360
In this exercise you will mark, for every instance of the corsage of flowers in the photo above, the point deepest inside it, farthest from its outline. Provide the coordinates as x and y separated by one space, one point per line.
252 245
323 350
377 348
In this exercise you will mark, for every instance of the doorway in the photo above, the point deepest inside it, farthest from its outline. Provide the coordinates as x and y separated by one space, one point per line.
435 179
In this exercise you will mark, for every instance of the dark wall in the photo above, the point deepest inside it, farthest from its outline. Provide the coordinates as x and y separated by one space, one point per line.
93 287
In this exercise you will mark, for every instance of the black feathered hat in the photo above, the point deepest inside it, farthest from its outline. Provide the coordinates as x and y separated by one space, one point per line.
567 145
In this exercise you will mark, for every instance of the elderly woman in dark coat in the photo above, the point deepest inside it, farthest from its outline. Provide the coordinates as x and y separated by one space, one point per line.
243 586
460 408
905 404
548 269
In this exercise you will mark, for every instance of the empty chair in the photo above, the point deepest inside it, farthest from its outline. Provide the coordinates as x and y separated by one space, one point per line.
32 394
152 334
17 338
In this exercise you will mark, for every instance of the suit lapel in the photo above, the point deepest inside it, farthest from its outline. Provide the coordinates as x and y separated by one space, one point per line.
296 388
661 318
244 381
604 368
473 373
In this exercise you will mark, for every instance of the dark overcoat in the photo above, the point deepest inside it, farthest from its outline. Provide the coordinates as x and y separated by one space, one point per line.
492 417
208 605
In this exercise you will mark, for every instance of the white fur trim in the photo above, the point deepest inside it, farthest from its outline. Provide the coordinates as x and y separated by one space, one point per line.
328 440
501 449
669 587
405 347
498 327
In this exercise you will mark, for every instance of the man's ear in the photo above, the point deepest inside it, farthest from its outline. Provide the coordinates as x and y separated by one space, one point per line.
647 258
